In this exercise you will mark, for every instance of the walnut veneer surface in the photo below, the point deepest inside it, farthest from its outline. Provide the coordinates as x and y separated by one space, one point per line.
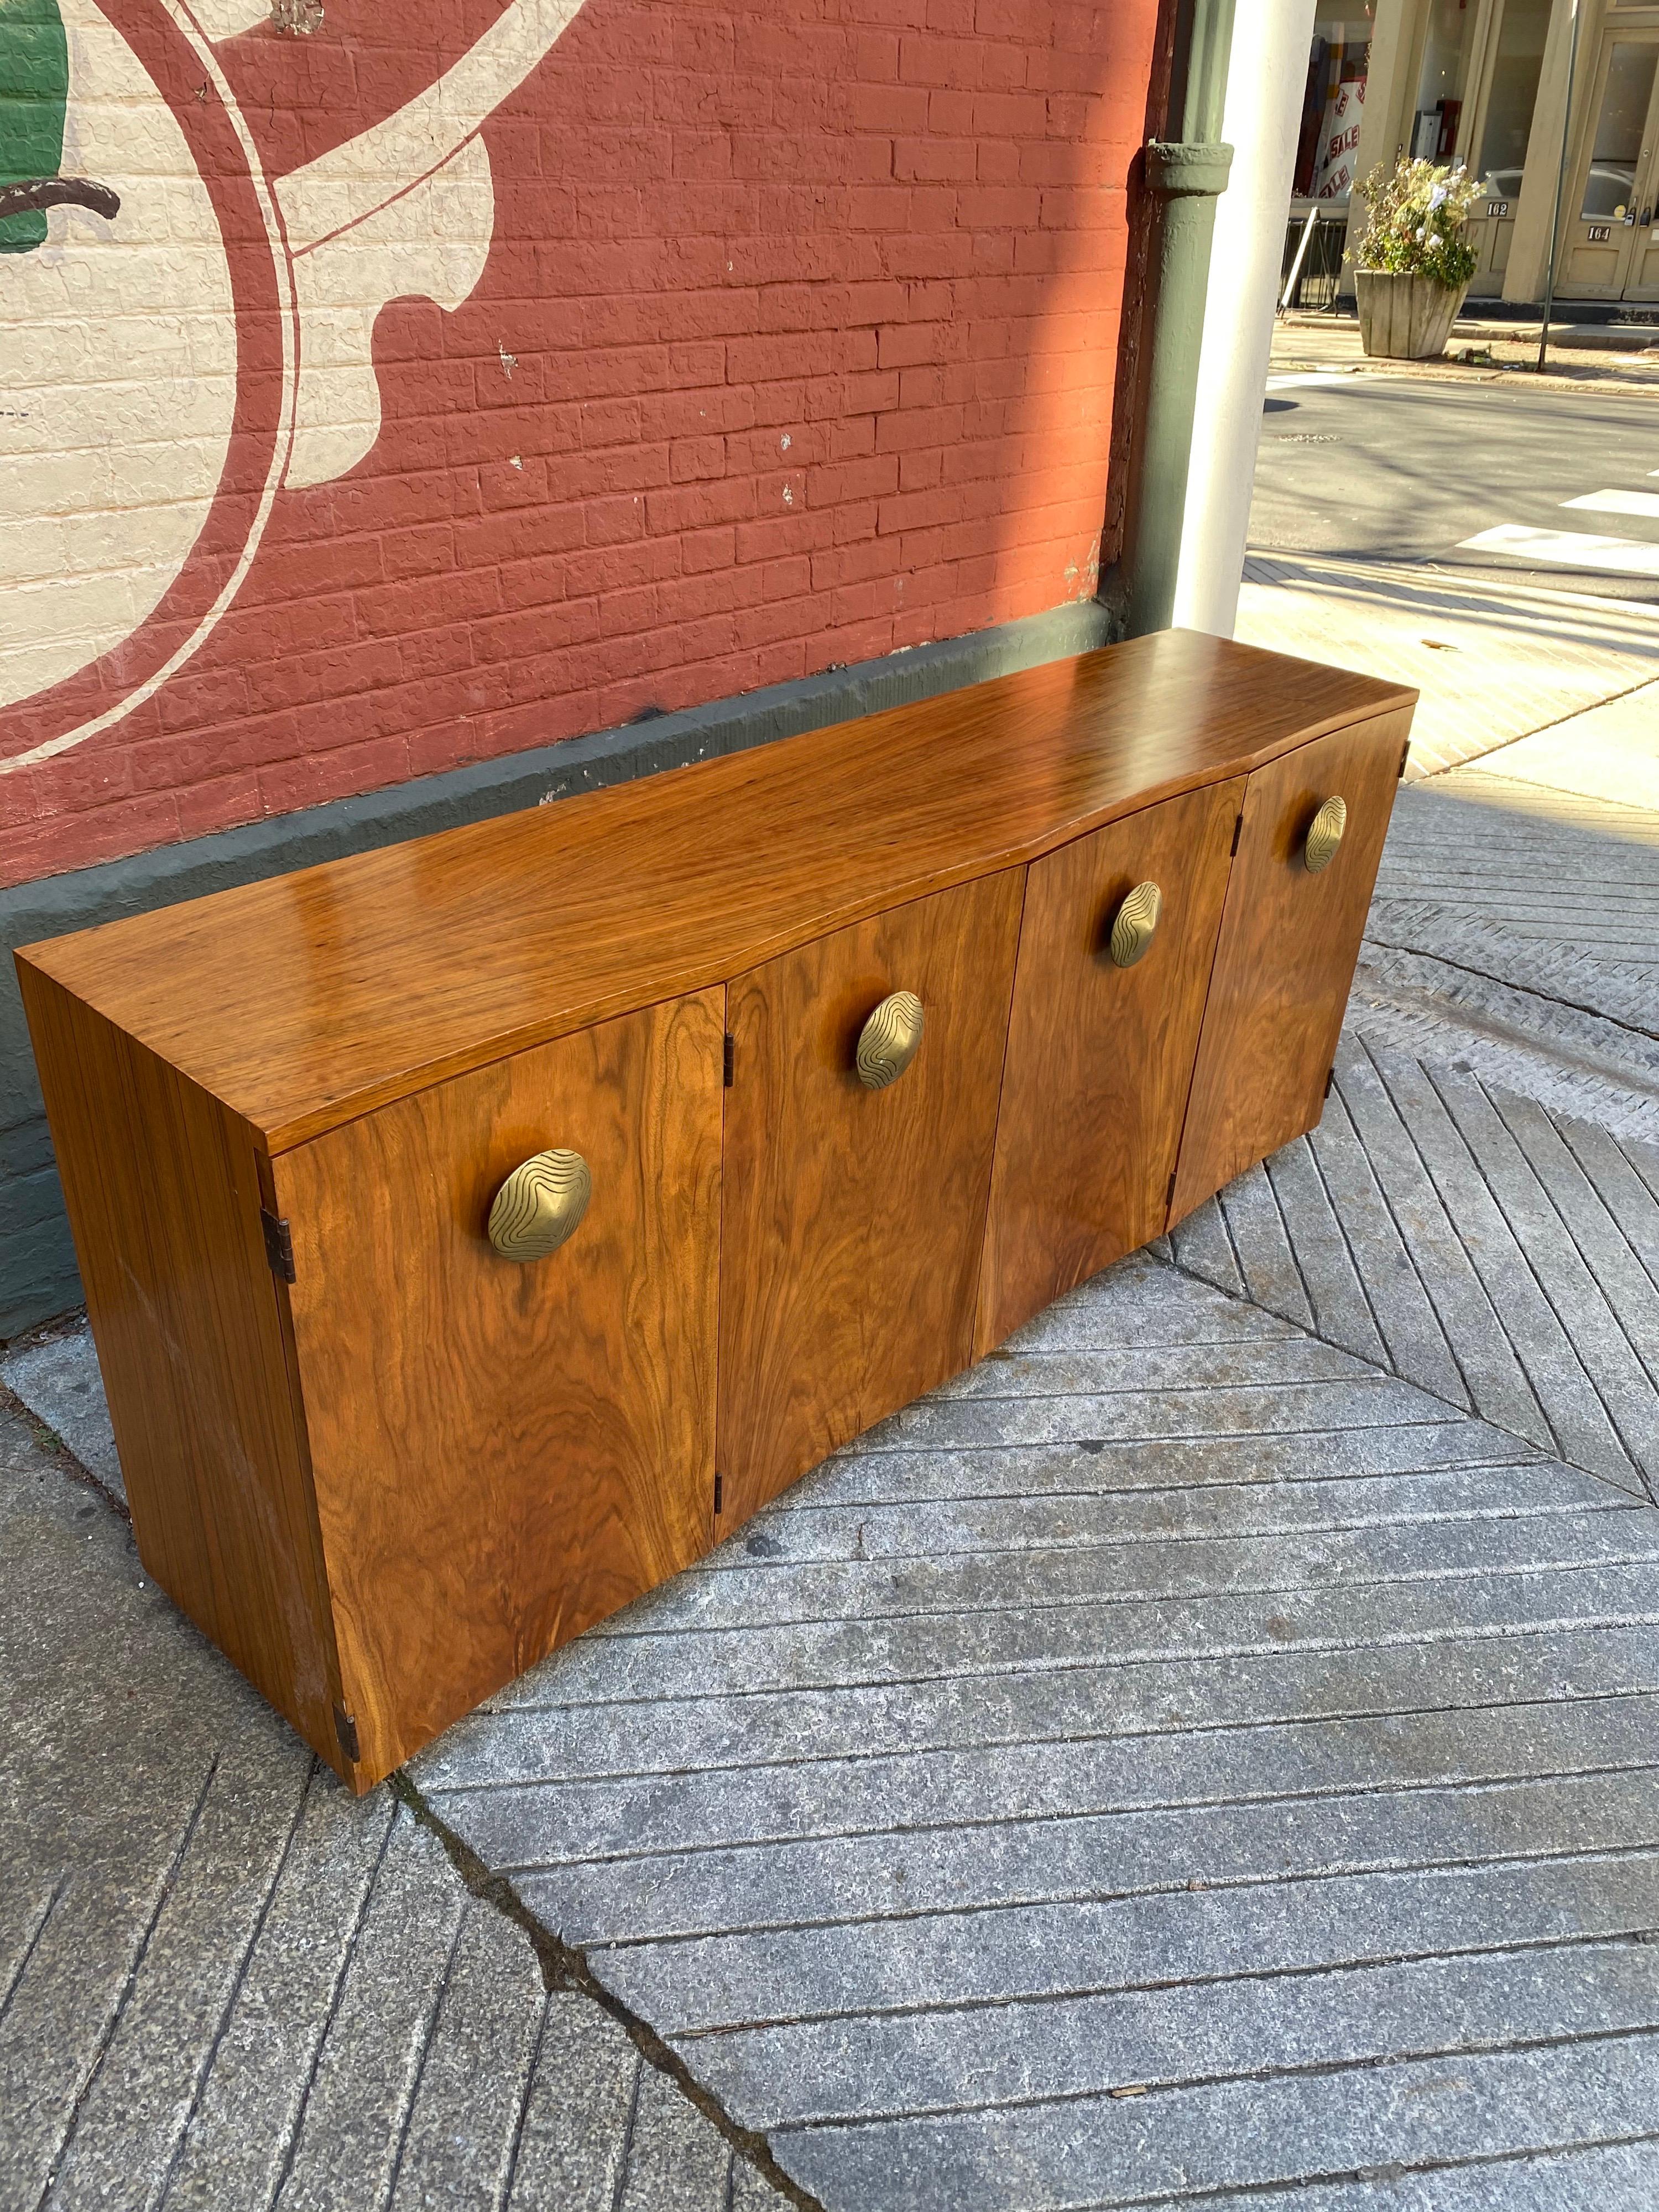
1100 1057
852 1219
163 1192
504 1454
1285 956
302 1001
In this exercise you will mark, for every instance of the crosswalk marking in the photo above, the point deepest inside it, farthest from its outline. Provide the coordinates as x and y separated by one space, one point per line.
1617 502
1567 549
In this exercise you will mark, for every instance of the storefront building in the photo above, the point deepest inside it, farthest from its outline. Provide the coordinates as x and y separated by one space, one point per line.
1486 83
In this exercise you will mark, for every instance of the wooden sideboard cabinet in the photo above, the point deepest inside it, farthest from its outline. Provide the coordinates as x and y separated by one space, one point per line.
476 1230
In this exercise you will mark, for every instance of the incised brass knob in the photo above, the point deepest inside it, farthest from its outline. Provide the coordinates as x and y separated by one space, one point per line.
1325 835
890 1040
1134 925
540 1205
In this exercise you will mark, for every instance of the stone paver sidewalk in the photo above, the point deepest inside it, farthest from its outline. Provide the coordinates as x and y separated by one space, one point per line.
1493 663
1175 1759
1586 359
1206 1755
1478 1210
224 1982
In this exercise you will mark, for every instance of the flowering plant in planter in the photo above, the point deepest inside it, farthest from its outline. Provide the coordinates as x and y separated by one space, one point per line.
1413 264
1418 213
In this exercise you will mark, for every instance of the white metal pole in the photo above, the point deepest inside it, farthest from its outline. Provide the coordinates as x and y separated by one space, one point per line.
1289 293
1560 185
1270 43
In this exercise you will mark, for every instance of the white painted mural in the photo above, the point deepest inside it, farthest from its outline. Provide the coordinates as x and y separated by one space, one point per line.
122 372
118 376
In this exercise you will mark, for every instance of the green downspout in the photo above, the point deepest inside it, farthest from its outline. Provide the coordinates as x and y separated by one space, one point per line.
1186 175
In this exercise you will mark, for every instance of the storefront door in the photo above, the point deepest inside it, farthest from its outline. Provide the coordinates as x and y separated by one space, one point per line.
1513 47
1610 243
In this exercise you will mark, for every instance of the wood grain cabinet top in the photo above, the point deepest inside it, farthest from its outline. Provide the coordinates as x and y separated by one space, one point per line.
302 1002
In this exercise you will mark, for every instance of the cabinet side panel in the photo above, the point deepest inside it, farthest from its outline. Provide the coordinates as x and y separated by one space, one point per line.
161 1185
1285 961
505 1452
1100 1057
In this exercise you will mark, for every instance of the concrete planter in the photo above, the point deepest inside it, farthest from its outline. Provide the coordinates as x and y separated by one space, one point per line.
1406 317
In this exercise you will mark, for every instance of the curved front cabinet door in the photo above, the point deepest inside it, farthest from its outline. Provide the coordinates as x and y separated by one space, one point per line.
506 1452
1290 937
1115 953
852 1218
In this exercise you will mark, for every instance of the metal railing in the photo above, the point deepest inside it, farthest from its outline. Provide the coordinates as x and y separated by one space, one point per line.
1312 263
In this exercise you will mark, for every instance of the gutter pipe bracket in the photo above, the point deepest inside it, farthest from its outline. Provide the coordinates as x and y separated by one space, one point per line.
1187 168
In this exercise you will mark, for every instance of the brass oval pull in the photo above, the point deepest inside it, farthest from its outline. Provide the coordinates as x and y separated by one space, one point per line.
890 1040
540 1205
1325 835
1134 925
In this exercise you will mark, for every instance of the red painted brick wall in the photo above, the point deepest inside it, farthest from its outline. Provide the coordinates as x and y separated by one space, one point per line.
792 342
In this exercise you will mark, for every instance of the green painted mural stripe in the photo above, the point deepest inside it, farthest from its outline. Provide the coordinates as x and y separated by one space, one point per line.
34 102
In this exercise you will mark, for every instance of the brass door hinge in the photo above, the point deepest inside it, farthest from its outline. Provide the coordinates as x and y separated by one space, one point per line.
279 1246
345 1727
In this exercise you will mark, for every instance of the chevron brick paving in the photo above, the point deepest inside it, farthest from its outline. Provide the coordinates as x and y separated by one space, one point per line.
225 1983
1465 1237
1176 1760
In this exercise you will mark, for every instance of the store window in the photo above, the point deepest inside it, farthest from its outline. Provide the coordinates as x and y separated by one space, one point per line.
1627 93
1437 126
1514 94
1329 142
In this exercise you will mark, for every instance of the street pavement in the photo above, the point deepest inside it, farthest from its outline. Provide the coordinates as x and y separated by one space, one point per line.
1495 543
227 1985
1559 489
